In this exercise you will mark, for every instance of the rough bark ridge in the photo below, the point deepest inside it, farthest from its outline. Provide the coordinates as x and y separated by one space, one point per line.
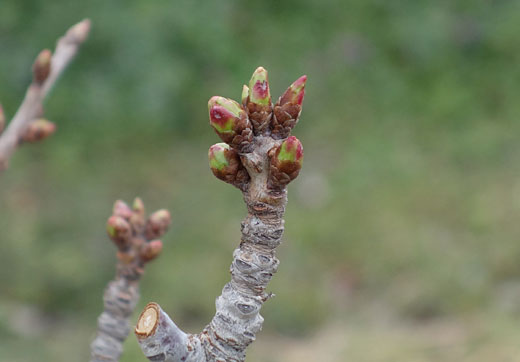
133 236
260 166
27 124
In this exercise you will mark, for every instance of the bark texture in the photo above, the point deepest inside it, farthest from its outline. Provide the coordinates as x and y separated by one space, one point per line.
237 319
27 125
131 233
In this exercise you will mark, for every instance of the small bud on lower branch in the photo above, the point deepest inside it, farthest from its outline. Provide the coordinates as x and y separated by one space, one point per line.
38 130
119 231
122 209
259 101
137 219
42 66
286 162
158 223
150 250
288 108
230 122
2 119
226 165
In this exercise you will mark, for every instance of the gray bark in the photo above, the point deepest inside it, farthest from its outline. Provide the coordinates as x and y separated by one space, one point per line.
237 319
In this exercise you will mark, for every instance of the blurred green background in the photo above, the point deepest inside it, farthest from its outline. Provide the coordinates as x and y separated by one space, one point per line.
402 231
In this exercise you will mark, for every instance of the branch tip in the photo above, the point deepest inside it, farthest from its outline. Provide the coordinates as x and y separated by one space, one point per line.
148 321
79 32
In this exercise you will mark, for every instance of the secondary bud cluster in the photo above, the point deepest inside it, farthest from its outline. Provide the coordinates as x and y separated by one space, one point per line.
135 236
42 66
286 161
38 130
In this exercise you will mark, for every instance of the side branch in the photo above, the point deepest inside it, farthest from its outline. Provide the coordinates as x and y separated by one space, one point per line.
27 125
132 234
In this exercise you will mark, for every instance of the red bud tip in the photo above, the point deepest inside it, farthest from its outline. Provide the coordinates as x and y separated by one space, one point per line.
122 209
38 130
151 250
291 150
259 87
295 93
42 66
224 114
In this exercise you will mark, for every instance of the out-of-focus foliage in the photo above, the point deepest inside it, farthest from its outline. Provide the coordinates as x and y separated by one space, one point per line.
408 202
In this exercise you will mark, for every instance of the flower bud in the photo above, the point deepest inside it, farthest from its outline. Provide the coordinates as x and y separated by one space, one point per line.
119 230
42 66
122 209
2 119
286 162
157 224
150 250
230 122
137 218
138 206
288 108
259 87
226 165
245 94
259 101
38 130
294 94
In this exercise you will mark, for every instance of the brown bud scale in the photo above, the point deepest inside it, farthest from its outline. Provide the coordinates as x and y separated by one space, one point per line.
284 119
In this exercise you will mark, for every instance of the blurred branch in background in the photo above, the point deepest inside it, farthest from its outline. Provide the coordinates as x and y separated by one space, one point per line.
27 124
137 243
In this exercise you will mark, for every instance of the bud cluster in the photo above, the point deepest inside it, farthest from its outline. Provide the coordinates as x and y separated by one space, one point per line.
238 124
135 236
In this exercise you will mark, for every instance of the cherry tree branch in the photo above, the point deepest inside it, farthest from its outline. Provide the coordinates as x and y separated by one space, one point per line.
27 125
260 159
137 243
